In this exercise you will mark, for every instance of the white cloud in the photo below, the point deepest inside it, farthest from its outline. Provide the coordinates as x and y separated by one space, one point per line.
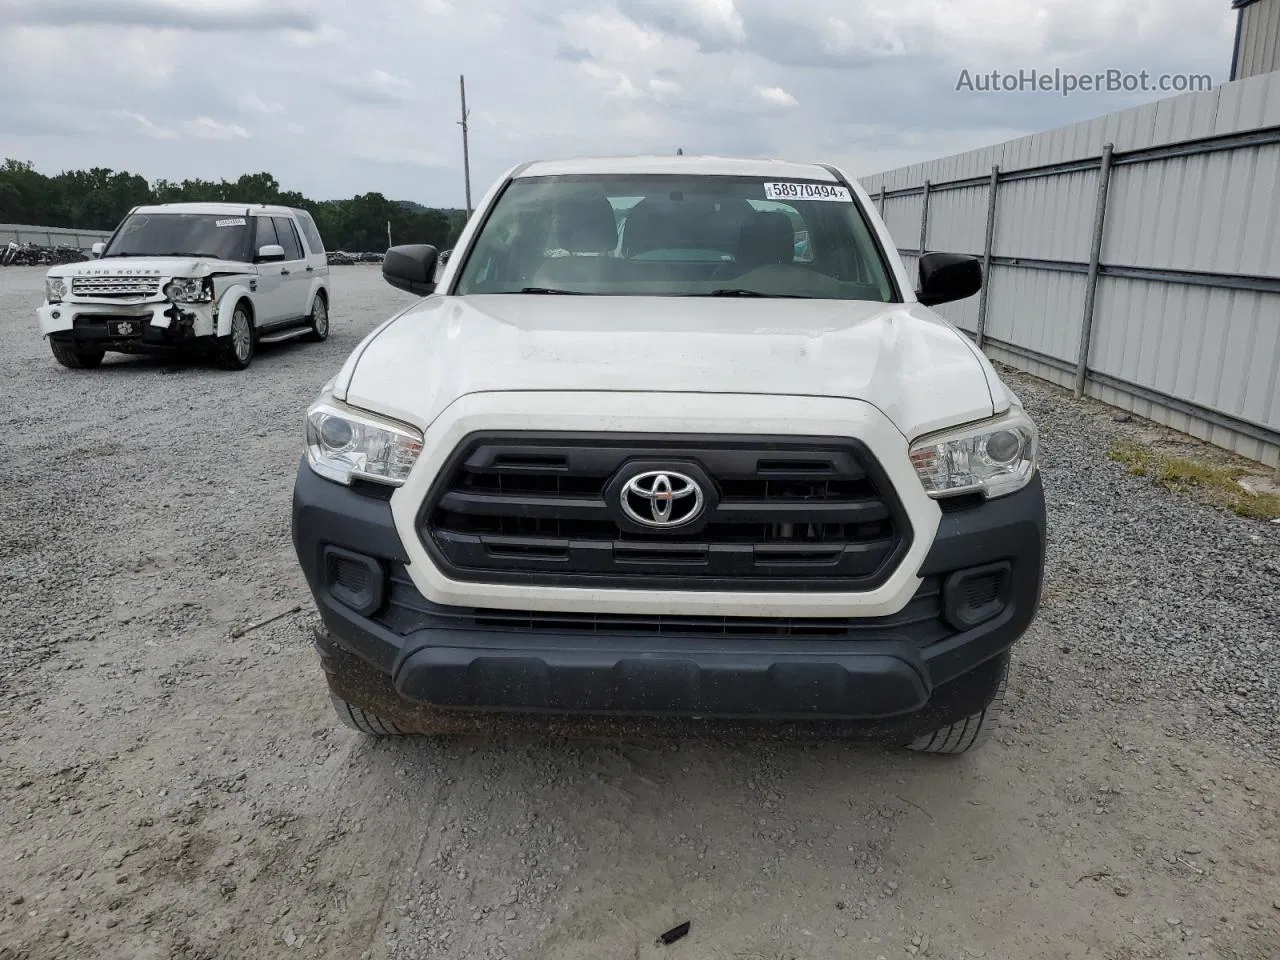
206 128
255 104
324 36
206 15
714 24
375 86
775 96
614 83
146 127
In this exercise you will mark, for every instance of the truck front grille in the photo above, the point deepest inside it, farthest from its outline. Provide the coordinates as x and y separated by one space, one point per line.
782 513
115 287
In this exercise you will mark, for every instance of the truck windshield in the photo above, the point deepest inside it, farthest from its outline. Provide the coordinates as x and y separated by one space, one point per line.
667 235
216 236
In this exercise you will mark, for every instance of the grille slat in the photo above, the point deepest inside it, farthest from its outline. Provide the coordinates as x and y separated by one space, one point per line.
782 513
116 287
920 620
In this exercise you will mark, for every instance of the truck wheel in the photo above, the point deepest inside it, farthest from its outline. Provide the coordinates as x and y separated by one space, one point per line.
76 357
364 721
235 350
969 733
319 320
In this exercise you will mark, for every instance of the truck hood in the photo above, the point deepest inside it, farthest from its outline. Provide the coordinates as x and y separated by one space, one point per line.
149 267
904 359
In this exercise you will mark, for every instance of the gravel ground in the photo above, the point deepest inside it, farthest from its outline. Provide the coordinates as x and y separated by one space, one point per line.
169 789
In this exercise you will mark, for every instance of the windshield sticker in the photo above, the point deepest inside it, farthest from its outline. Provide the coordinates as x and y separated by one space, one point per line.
235 222
807 191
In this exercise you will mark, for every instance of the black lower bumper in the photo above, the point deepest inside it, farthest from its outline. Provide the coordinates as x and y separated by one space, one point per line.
932 663
135 334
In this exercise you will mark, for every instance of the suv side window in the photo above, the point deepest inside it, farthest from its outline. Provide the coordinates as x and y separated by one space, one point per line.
264 235
314 243
288 235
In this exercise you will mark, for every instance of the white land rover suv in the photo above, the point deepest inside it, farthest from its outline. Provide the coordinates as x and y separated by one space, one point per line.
216 277
721 466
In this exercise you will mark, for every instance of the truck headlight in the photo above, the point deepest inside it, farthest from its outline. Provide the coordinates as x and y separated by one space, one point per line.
344 443
189 289
993 457
55 288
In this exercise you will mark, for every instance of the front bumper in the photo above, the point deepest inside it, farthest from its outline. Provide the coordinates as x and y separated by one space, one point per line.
127 326
919 668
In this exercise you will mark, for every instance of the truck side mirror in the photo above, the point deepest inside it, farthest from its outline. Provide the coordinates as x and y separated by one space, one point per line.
945 277
412 268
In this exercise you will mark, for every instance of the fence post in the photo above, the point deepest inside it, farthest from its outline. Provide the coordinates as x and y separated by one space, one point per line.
1095 255
924 217
986 254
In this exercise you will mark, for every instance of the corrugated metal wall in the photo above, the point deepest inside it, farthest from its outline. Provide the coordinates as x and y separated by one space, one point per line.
1259 50
50 236
1185 326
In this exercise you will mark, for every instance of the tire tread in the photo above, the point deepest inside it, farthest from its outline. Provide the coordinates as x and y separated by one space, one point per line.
967 734
74 357
363 721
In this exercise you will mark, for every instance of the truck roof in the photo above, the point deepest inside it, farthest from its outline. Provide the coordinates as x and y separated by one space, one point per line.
695 165
237 209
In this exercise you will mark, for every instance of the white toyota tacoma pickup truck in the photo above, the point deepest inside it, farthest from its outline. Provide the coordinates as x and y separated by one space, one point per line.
699 471
212 277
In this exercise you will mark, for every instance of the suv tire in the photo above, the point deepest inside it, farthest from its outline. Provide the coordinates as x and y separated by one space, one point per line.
75 356
319 320
235 350
362 720
969 733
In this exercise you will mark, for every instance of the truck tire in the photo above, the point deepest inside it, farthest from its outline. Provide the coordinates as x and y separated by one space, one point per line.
76 357
969 733
319 320
235 350
362 720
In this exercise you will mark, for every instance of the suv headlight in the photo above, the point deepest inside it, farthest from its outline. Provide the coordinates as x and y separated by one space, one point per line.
344 443
993 457
55 288
189 289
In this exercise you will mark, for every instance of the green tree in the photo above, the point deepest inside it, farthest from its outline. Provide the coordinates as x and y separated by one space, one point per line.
98 198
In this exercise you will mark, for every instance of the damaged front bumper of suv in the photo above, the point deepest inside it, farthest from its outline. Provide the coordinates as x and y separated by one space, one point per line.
133 327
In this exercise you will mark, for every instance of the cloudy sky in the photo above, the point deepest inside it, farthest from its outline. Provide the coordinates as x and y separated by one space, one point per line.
337 97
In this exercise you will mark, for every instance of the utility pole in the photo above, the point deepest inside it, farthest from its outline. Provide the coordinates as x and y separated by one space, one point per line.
466 156
388 234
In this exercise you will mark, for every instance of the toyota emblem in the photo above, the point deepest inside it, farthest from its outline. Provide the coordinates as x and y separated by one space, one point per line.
662 498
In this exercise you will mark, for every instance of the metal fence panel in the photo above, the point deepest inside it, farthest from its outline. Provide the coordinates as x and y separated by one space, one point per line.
1048 218
1036 309
963 313
1214 212
1155 287
902 217
1216 348
50 236
958 220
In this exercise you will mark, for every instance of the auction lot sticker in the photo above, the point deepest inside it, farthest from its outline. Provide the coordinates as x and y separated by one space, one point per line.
807 191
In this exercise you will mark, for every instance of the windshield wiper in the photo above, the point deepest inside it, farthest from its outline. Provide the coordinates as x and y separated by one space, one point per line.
742 292
576 293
